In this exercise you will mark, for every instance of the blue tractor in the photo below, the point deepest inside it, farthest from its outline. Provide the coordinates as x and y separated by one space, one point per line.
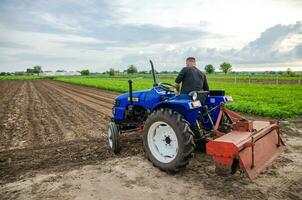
174 125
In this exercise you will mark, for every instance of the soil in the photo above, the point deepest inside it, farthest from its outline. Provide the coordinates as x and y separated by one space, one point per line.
53 146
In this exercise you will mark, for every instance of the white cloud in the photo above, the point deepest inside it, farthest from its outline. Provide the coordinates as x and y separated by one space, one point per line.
100 34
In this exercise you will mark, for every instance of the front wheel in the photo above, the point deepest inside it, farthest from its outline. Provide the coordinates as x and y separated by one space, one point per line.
113 137
168 140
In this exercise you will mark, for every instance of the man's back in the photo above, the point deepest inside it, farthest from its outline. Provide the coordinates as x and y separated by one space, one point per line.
192 80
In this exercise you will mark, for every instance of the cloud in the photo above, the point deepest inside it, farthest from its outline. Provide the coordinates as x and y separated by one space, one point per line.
54 16
7 44
269 46
121 32
98 19
129 34
277 44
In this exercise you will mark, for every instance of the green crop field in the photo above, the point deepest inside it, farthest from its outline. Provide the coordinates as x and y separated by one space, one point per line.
277 101
23 77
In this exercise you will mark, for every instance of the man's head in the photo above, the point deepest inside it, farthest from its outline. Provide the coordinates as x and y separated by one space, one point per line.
190 62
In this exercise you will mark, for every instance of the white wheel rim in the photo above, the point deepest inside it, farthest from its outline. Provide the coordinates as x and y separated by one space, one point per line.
110 137
163 149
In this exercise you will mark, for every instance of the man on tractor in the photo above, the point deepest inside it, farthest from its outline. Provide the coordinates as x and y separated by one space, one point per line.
174 125
192 78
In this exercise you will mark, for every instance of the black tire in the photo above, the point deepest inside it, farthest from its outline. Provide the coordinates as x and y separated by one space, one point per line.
115 147
184 137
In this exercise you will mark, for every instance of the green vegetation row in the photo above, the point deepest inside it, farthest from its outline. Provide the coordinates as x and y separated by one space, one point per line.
25 78
277 101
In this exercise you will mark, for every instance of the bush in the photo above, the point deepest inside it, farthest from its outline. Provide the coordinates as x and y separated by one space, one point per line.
132 69
85 72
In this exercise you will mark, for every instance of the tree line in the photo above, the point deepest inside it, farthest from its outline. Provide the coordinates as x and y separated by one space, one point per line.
224 67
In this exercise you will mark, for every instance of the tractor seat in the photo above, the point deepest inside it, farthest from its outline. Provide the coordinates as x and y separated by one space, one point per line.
202 96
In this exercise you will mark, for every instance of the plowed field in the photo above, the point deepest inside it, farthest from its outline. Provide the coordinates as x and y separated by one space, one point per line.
53 146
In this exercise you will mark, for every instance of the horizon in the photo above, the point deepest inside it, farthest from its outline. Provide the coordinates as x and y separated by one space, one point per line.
249 70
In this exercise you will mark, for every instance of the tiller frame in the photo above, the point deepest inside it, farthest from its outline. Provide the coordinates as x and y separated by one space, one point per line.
252 145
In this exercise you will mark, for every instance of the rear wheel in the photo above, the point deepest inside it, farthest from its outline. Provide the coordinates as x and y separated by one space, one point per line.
168 140
113 137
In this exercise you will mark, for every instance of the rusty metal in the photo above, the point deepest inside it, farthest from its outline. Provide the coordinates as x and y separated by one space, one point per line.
256 144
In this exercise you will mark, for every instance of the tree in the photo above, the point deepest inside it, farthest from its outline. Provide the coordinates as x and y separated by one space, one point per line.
289 72
209 69
85 72
37 69
132 69
111 72
29 70
225 67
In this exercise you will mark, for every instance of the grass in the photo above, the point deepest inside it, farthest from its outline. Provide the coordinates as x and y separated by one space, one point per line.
277 101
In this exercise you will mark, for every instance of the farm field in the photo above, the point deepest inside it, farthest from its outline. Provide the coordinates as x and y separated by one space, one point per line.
53 145
277 101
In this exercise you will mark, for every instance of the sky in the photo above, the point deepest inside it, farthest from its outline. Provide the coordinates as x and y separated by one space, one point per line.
256 35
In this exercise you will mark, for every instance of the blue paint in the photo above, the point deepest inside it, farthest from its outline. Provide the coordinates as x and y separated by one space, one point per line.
156 98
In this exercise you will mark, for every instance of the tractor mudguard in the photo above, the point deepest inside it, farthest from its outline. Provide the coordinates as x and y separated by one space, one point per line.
182 106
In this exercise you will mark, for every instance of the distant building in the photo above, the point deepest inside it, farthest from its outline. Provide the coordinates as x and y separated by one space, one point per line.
20 73
60 73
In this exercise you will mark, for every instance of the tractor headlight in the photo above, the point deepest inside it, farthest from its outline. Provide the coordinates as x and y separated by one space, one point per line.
228 98
193 95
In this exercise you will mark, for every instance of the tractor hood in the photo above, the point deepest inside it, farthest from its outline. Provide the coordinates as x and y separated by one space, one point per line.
136 97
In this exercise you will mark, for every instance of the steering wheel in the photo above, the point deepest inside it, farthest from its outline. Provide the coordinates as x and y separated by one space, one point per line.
166 87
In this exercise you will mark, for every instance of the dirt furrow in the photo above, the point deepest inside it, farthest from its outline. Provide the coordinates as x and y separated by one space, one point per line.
49 127
102 97
14 124
105 93
91 102
79 120
6 98
46 126
62 156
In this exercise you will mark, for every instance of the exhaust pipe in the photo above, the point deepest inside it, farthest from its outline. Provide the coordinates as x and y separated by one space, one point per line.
153 74
130 92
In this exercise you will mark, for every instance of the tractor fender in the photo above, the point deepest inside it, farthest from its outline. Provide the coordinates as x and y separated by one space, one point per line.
170 105
189 113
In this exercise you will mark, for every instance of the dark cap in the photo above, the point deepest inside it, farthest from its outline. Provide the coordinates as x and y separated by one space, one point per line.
190 59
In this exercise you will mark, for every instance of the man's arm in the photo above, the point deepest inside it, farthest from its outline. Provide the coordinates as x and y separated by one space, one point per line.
179 79
177 87
205 84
